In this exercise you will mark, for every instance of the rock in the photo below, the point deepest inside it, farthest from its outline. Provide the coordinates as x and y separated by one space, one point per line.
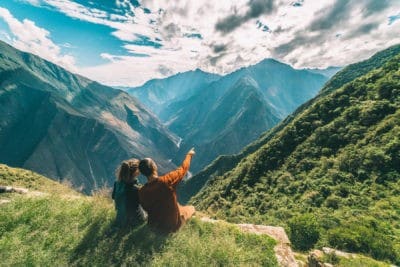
283 251
5 189
278 233
339 253
4 201
10 189
315 258
20 190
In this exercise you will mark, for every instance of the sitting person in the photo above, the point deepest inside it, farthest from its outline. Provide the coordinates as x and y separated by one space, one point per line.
158 195
126 194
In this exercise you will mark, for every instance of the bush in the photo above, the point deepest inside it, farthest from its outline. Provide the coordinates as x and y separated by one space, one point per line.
366 237
332 202
304 231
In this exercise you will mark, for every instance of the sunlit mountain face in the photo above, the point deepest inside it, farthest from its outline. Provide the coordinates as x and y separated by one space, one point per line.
71 128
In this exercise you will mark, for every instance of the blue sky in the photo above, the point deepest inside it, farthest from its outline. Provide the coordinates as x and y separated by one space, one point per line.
127 42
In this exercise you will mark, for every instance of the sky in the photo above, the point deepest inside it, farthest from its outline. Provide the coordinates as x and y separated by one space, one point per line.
127 42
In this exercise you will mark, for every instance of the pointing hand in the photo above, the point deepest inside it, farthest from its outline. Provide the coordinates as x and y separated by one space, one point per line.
191 151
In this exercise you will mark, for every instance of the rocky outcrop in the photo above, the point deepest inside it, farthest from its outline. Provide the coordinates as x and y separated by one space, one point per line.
283 250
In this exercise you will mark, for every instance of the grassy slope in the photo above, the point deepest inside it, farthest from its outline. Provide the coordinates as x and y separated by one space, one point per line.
338 160
63 227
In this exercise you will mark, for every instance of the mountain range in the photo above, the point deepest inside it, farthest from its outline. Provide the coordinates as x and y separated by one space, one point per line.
222 114
71 128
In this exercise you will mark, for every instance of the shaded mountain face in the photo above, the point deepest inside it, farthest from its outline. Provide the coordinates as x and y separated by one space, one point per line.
223 116
70 128
337 159
239 116
158 94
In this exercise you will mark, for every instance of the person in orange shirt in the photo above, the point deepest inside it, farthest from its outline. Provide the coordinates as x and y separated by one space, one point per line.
158 195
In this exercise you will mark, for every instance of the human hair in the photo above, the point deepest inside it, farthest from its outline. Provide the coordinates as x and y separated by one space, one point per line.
126 171
147 167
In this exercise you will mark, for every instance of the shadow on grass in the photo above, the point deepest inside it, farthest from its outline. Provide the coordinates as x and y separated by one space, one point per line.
111 245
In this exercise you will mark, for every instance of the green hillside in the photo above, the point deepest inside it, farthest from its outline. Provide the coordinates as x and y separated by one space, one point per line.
52 225
330 173
225 163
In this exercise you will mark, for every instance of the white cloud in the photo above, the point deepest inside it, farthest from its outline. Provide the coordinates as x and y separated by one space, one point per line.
126 27
33 39
316 34
131 71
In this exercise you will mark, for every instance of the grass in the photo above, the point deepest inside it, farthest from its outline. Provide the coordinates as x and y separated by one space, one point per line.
63 228
28 179
361 261
355 261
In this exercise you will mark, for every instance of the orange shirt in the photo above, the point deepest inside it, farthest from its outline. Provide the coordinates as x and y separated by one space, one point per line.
158 198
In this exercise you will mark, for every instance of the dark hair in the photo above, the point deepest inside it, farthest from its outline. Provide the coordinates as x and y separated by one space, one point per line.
126 170
147 167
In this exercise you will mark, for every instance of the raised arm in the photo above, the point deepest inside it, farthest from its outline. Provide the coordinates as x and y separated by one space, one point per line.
174 177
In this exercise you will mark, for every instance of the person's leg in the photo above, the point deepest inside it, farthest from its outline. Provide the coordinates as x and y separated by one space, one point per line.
186 212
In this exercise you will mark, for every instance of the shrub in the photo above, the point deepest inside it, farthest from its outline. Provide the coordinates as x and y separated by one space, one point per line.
366 237
304 231
332 202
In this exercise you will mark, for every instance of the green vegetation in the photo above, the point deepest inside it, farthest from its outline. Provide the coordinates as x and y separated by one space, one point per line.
33 181
304 231
356 70
338 158
61 227
360 261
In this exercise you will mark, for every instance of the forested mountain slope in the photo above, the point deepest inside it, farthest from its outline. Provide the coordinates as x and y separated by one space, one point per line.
336 162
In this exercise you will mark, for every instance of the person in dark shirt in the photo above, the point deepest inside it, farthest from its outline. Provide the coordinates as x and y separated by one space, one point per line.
158 195
126 194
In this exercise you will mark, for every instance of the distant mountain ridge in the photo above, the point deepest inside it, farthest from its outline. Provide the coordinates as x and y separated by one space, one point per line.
68 127
157 94
221 115
328 72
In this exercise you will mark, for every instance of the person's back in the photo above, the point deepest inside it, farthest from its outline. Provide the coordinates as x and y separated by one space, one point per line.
134 213
126 194
158 201
119 196
158 196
